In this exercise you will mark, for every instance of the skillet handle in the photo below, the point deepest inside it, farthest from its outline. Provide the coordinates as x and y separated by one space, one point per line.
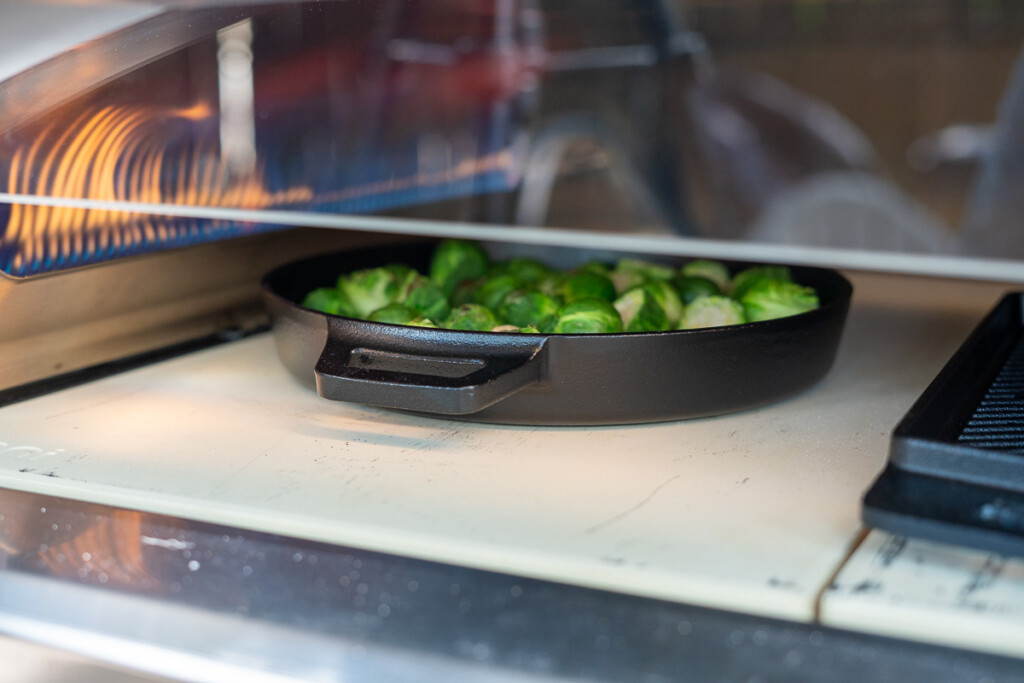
417 369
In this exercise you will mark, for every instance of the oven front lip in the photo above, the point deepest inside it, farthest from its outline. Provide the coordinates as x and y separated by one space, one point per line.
579 379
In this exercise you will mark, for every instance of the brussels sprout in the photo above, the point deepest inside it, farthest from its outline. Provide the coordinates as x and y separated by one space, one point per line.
492 289
691 287
625 280
472 317
745 279
593 267
396 314
370 289
712 270
426 298
527 308
528 270
712 311
768 299
465 293
668 298
403 273
456 260
526 329
586 316
640 311
650 270
585 285
462 290
327 300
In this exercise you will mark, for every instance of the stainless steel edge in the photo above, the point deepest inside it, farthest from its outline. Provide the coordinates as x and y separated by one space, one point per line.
31 92
81 317
193 601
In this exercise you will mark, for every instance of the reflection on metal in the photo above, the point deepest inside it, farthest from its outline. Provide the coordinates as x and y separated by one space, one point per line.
163 595
463 171
237 94
120 153
90 316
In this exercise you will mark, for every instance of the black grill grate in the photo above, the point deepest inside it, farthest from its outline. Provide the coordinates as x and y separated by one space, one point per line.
998 421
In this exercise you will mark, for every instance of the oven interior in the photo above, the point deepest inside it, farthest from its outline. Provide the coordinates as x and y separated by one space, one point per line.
159 163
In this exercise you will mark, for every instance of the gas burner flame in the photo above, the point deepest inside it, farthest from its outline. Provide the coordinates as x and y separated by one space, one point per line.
122 153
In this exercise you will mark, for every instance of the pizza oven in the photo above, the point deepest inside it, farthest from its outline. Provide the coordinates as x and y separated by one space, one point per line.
201 477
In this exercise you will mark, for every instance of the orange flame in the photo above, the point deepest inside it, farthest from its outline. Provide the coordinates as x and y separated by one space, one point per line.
118 153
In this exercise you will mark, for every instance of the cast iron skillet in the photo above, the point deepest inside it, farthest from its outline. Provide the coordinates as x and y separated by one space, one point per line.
549 379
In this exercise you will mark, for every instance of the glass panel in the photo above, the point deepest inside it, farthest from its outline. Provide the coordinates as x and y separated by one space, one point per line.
844 128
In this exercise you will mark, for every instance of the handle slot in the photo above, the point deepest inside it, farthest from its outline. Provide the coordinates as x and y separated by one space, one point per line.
430 371
389 361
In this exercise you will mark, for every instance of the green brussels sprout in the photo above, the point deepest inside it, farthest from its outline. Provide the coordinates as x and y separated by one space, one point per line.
585 285
668 298
625 280
426 298
715 271
527 308
464 293
403 273
650 270
640 311
745 279
593 267
528 270
712 311
456 260
396 314
549 284
370 289
526 329
768 299
327 300
691 287
473 317
630 273
423 322
585 316
493 289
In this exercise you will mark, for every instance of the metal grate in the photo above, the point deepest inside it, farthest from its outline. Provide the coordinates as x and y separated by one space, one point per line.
998 421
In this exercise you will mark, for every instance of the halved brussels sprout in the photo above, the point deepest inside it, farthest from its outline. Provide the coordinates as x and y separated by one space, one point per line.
640 311
464 290
396 314
473 317
528 270
586 316
593 267
768 299
585 284
527 308
372 288
426 298
747 278
328 300
692 287
712 311
668 298
493 289
716 271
